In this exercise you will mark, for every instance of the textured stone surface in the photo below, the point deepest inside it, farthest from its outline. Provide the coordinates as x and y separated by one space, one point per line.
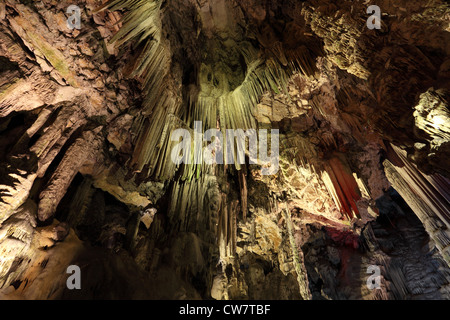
85 123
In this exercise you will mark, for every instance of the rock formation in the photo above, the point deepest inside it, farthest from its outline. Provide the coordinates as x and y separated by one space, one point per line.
87 117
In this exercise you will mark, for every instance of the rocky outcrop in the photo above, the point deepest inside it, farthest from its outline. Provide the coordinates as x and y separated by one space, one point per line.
86 177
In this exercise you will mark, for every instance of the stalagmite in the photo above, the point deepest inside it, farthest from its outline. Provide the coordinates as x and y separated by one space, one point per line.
93 98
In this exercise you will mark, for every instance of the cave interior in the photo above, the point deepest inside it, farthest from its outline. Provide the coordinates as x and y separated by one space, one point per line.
346 195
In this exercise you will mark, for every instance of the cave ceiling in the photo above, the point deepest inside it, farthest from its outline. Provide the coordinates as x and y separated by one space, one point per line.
357 121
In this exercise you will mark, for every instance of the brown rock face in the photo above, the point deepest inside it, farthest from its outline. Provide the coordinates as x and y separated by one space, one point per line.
360 137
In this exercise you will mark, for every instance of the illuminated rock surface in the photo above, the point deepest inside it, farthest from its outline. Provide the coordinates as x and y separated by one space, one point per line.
86 176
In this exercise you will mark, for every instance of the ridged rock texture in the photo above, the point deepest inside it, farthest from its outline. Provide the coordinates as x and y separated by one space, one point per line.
86 177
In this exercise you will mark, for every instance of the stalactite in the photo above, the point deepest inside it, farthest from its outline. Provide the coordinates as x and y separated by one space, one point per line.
80 203
235 108
298 262
142 24
244 192
310 69
16 184
223 226
420 192
230 234
432 125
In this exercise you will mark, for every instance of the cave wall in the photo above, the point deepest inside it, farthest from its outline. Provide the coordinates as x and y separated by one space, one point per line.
86 177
